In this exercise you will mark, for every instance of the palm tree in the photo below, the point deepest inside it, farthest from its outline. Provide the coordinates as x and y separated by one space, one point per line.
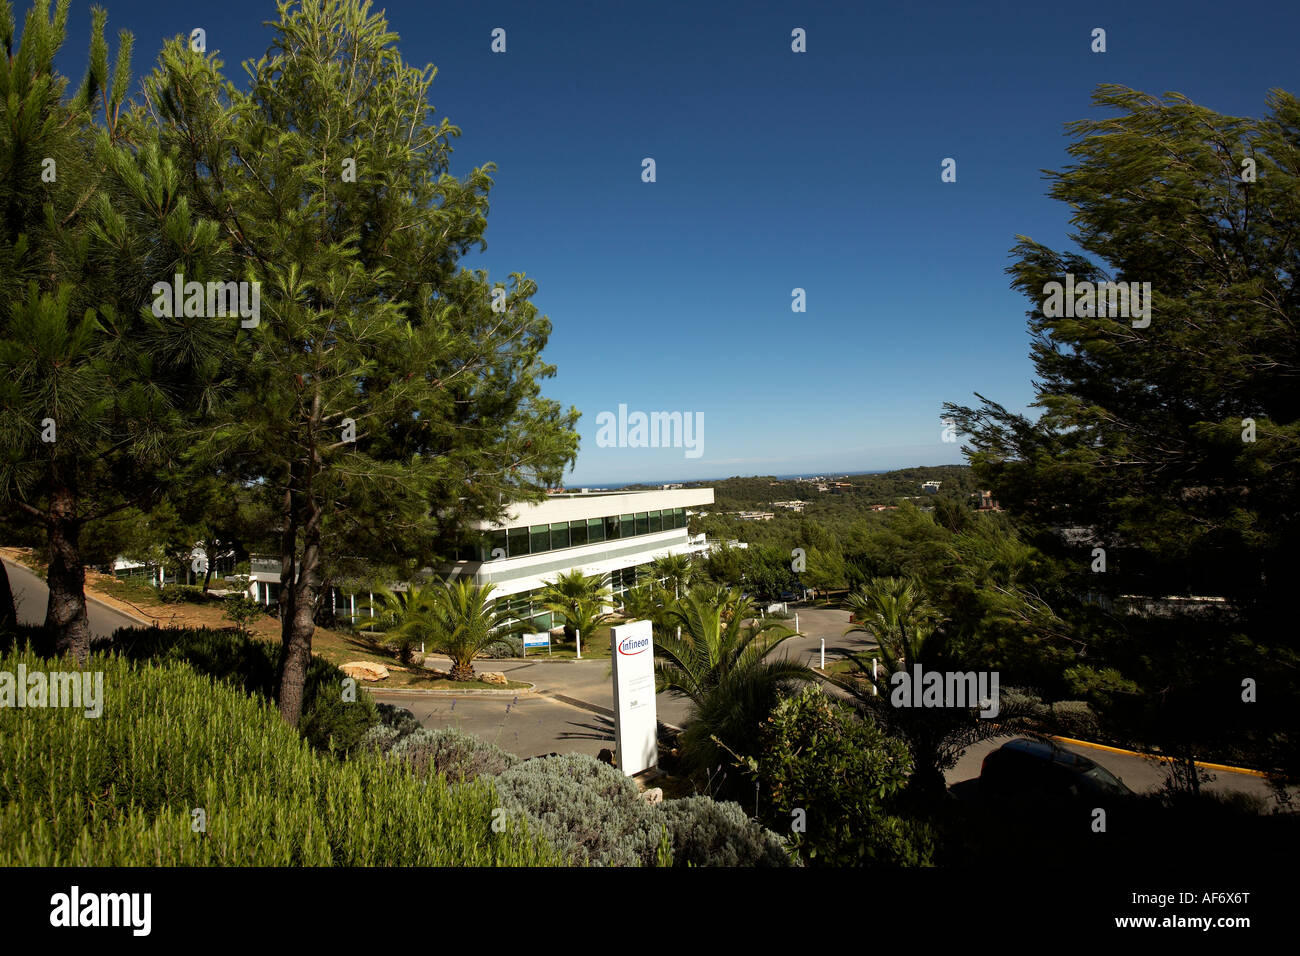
462 619
402 615
568 591
720 664
648 602
897 615
587 617
906 626
675 571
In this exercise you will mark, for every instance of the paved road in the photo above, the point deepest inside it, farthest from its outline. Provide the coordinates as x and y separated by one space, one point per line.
31 597
590 682
529 728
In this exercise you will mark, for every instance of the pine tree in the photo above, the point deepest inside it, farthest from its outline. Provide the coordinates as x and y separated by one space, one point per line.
1175 445
384 401
94 388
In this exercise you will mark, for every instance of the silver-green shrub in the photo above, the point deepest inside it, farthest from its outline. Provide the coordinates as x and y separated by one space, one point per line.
707 832
457 756
585 808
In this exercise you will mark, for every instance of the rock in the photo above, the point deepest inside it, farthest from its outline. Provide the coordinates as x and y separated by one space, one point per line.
493 677
365 670
653 795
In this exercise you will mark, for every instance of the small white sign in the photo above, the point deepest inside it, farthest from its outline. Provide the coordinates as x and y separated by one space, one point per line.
538 640
635 717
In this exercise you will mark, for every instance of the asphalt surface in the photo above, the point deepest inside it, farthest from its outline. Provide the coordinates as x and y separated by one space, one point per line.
31 597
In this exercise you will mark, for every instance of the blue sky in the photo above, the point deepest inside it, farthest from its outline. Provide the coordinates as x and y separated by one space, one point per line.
777 170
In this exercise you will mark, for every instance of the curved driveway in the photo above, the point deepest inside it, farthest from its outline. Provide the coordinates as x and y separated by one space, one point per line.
31 597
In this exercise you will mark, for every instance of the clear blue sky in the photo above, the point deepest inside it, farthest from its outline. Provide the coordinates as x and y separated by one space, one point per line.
777 170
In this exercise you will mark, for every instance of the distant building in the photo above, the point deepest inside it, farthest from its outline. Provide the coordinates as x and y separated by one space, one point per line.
789 505
931 487
615 535
752 515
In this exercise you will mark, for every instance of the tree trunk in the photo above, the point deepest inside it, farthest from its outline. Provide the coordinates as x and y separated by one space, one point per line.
288 553
461 671
319 613
293 678
8 610
65 615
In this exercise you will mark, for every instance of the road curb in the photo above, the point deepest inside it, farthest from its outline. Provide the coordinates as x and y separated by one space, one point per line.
472 692
1133 753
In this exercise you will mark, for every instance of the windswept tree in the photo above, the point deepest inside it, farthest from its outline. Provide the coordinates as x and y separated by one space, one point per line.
101 399
1168 434
388 399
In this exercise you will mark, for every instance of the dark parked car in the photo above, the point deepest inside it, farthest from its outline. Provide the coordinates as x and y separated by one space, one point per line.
1040 770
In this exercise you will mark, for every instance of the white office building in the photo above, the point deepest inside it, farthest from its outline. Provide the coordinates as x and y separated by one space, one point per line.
609 533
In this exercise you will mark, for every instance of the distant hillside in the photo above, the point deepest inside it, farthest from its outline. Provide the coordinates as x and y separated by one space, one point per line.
758 493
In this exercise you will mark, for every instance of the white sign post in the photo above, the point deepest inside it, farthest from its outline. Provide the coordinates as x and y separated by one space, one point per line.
540 639
635 718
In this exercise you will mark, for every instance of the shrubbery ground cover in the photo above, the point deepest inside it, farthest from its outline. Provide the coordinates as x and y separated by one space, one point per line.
191 764
123 789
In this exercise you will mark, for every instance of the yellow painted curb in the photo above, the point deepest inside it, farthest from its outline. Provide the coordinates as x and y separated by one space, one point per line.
1134 753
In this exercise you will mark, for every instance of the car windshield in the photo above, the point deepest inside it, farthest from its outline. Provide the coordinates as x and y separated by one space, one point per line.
1104 777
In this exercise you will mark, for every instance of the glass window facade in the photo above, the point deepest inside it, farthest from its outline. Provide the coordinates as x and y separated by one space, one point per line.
559 535
622 579
537 539
526 607
541 538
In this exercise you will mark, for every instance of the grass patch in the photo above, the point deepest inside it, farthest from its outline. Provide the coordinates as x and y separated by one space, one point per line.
443 683
596 646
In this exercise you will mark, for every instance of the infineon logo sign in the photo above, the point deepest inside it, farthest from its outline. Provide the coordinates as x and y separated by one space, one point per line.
635 726
633 645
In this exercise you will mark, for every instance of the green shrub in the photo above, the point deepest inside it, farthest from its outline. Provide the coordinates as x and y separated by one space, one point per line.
120 790
379 739
845 775
183 594
19 636
1074 718
399 718
242 611
455 755
706 832
332 724
507 646
254 665
585 808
